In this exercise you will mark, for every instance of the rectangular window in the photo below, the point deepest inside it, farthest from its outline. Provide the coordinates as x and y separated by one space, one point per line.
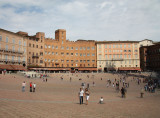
93 48
88 54
24 43
12 58
109 46
76 54
124 45
120 45
105 46
67 48
19 49
19 59
93 54
62 47
99 46
93 60
49 46
129 46
56 47
71 54
7 39
52 53
88 48
84 48
88 61
76 48
6 57
0 38
19 42
45 46
106 56
52 46
71 48
84 54
13 41
6 47
67 53
13 48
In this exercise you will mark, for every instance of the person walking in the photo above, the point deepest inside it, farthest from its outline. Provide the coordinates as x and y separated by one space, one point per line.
80 95
87 95
23 86
34 87
142 92
30 86
123 92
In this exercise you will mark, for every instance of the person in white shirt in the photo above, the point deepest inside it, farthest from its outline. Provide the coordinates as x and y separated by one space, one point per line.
80 95
23 86
101 100
34 87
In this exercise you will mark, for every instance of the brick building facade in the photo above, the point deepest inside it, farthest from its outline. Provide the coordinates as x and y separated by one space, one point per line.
150 57
65 55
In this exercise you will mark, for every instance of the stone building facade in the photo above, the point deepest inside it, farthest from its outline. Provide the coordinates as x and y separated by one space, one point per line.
118 55
13 49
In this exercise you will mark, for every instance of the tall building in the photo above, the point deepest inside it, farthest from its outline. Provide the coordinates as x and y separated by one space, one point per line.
35 49
62 54
12 51
118 55
150 57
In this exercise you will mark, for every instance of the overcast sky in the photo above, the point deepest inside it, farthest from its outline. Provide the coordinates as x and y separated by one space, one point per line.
84 19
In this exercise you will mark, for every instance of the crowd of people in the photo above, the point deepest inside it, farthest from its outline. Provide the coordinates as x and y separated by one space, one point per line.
120 81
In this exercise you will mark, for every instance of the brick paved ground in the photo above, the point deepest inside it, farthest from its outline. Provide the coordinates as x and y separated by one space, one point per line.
59 98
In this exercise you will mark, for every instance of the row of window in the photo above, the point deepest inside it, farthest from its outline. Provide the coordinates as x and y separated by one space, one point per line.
71 48
100 51
72 61
13 41
13 48
62 53
34 46
117 56
117 45
121 62
13 58
69 65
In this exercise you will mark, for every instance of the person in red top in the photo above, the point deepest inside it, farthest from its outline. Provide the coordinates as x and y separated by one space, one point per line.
30 86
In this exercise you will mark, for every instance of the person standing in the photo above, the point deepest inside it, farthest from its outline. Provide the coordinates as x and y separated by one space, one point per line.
81 94
23 86
30 86
87 95
34 87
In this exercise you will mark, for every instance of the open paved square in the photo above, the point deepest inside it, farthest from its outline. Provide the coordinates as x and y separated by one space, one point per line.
58 98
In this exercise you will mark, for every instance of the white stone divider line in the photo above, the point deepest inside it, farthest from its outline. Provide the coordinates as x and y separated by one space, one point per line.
41 101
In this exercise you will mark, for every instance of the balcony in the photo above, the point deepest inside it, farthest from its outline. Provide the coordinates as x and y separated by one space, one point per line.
11 51
12 61
35 56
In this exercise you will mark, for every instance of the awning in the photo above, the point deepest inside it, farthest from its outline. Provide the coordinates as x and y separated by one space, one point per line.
12 67
61 69
129 68
91 69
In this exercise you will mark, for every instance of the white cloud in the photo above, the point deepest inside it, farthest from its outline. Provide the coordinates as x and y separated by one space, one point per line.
98 20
